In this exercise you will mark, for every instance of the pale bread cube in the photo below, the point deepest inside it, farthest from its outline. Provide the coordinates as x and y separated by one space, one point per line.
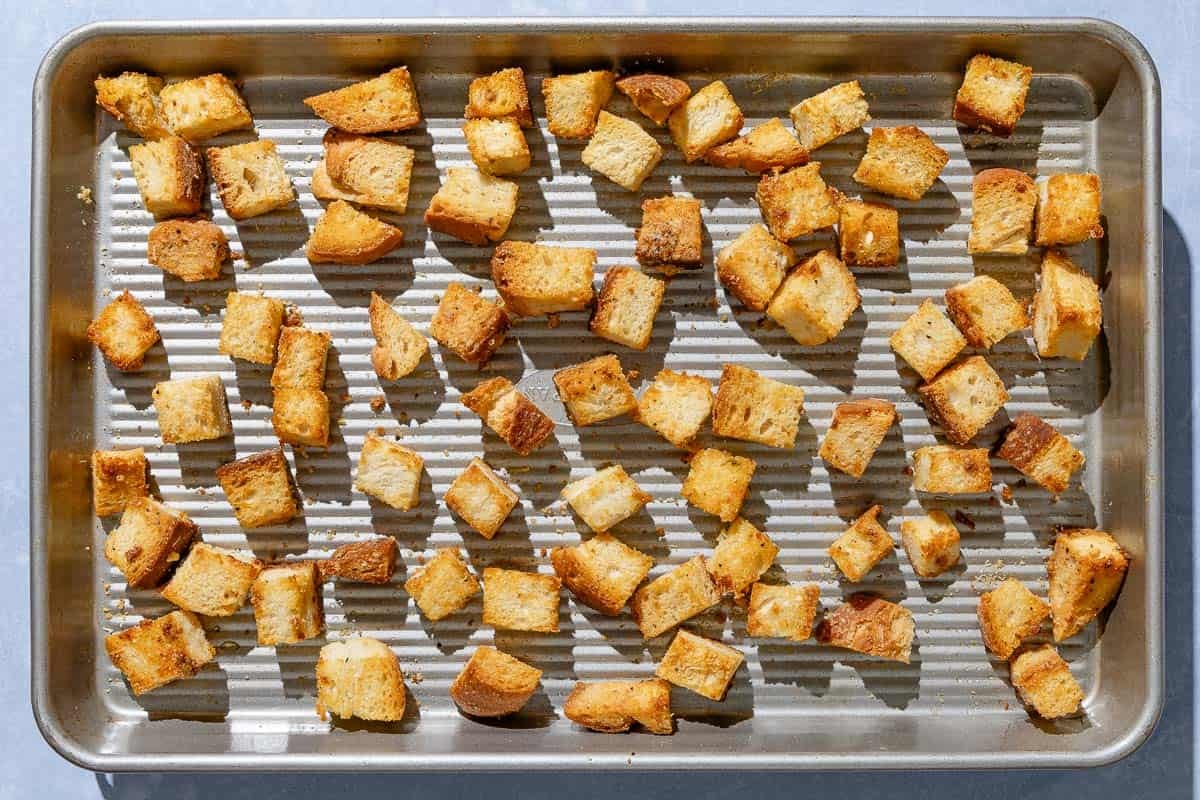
992 95
251 178
743 553
389 472
767 147
133 98
903 162
706 119
753 266
536 279
674 597
520 601
1044 681
1066 309
169 175
118 477
1008 615
602 573
212 581
372 561
124 331
472 206
625 310
156 652
863 545
1002 205
360 677
717 482
497 146
857 430
869 234
399 347
621 151
501 95
1040 452
384 104
287 603
942 469
702 665
192 409
871 625
302 354
512 415
985 311
616 706
493 684
931 542
470 326
676 405
816 299
481 498
797 202
964 398
605 498
190 249
927 341
1086 570
832 113
755 408
1068 210
345 235
671 233
371 171
259 487
148 541
301 417
573 102
783 612
595 391
656 96
204 107
443 586
251 327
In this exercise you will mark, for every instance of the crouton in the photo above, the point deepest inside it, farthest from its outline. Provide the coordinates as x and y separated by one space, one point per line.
863 545
497 146
753 266
869 234
1044 681
605 498
287 603
250 330
964 398
616 706
768 146
942 469
148 541
481 498
675 405
259 487
671 233
513 417
595 391
204 107
471 327
159 651
536 279
443 586
384 104
1086 570
190 249
1008 615
621 151
625 310
472 206
717 482
985 310
372 171
783 612
679 595
702 665
493 684
394 200
602 573
992 95
212 581
815 299
345 235
399 347
302 355
192 409
520 601
1002 203
118 477
927 341
743 553
574 101
656 96
871 625
931 542
372 561
301 417
133 98
832 113
903 162
1040 452
797 202
706 119
251 178
757 409
1068 210
501 95
855 433
169 175
124 331
360 677
389 472
1066 309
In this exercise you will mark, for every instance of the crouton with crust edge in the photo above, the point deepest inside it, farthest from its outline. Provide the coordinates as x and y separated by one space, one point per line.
602 572
595 390
903 162
501 95
497 146
927 341
656 96
816 299
674 597
1044 681
931 543
472 206
573 102
783 612
287 603
372 561
708 118
192 409
251 326
170 177
399 347
1002 204
190 249
625 310
992 95
870 625
861 546
515 600
443 586
1066 309
1008 615
605 498
301 358
702 665
753 266
156 652
204 107
133 99
124 331
389 472
259 487
301 417
827 115
743 553
768 146
797 202
755 408
855 433
481 498
676 406
985 311
468 325
514 418
148 541
493 684
942 469
251 178
1086 570
360 677
1040 452
869 234
535 279
964 398
621 151
118 476
345 235
1068 209
373 171
212 581
717 482
671 233
616 706
379 105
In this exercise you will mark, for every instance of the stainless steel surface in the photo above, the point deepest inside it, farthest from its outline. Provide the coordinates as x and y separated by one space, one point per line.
1093 105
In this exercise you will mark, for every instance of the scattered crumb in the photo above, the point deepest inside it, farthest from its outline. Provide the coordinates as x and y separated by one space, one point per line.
891 301
345 397
964 518
84 195
293 317
247 405
552 320
1006 493
378 403
634 374
908 470
416 677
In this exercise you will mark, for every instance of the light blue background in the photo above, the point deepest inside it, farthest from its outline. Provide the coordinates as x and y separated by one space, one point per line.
1164 768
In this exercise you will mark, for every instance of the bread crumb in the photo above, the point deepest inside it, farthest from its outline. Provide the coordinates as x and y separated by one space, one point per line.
84 195
378 403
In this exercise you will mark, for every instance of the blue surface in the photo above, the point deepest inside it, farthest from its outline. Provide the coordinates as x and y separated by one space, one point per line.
1163 768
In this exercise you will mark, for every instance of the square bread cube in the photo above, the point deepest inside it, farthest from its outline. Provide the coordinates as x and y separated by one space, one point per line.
501 95
301 358
1066 309
118 477
717 482
360 677
855 433
1044 681
625 310
1040 452
1086 570
379 105
671 233
148 541
481 498
372 171
443 586
832 113
942 469
190 249
470 326
964 398
992 95
595 391
520 601
753 266
816 299
743 553
1068 210
706 119
1002 204
931 542
259 487
251 178
676 405
513 417
493 684
1008 615
767 147
985 311
869 234
399 347
656 96
863 545
287 603
574 101
605 498
927 341
871 625
389 472
372 561
903 162
672 598
301 417
345 235
169 175
797 202
703 665
621 151
212 581
159 651
124 331
755 408
472 206
602 573
497 146
616 706
192 409
250 330
133 98
204 107
536 279
783 612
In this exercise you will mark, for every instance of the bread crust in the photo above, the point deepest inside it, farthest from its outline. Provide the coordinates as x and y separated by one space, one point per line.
384 104
903 162
769 146
170 177
124 331
345 235
656 96
118 476
148 541
470 326
671 232
501 95
871 625
755 408
992 95
616 706
493 684
159 651
510 414
602 573
259 487
373 561
1040 452
190 249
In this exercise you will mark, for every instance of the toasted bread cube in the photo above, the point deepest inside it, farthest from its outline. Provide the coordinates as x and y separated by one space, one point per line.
493 684
1068 210
301 417
497 146
384 104
985 310
513 417
757 409
389 472
574 101
302 356
345 235
625 310
520 601
603 572
536 279
857 430
1040 452
148 541
1002 204
190 249
832 113
927 340
706 119
156 652
656 96
964 398
768 146
481 498
251 327
992 95
903 162
863 545
376 172
670 599
192 409
869 234
124 331
717 482
399 347
1066 309
671 232
815 299
783 612
871 625
1008 615
595 390
501 95
702 665
676 405
287 603
616 706
360 677
1086 570
251 178
372 561
259 487
118 477
204 107
472 206
133 98
742 555
797 202
471 327
443 586
931 542
621 151
212 581
753 266
1044 681
170 177
942 469
605 498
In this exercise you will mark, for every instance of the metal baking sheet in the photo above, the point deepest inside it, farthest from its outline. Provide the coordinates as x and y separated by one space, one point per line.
1093 105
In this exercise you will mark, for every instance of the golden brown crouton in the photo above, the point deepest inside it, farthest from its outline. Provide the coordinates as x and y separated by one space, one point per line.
133 98
472 206
250 330
287 603
869 234
832 113
964 398
1068 210
536 279
156 652
603 572
815 299
656 96
717 482
497 146
992 95
204 107
616 706
753 265
768 146
372 561
863 545
670 599
1002 206
510 414
676 405
671 232
471 327
1066 309
1044 681
595 391
384 104
857 430
170 177
501 95
389 472
345 235
259 487
124 331
931 542
574 101
757 409
444 585
481 498
192 409
797 202
118 477
985 310
371 171
702 665
148 541
903 162
870 625
625 310
706 119
493 684
783 612
399 347
301 417
605 498
621 151
520 601
302 355
1008 615
190 249
212 581
742 555
251 178
360 677
927 340
942 469
1086 570
1041 453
